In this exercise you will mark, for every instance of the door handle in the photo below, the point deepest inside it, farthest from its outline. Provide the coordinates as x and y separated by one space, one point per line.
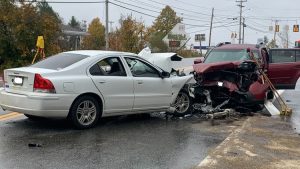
140 82
102 81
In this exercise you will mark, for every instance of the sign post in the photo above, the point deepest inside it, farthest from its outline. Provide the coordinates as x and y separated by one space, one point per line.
200 38
40 44
177 37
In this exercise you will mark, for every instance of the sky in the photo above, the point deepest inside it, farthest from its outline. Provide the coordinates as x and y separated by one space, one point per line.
259 15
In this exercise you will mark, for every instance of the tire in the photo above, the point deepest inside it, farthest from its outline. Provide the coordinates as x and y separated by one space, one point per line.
85 112
33 118
182 104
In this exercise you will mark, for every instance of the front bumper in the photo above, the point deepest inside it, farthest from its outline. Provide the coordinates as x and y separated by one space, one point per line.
37 104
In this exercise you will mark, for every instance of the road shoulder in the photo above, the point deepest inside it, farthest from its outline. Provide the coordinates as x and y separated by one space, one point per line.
261 142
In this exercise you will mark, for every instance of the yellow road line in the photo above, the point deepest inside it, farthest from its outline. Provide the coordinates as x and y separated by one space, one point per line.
9 116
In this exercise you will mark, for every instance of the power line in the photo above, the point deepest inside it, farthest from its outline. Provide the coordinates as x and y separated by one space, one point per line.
256 29
179 8
133 10
155 11
143 13
220 26
63 2
138 6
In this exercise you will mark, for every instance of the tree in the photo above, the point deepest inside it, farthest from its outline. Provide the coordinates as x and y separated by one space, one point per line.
96 39
163 24
74 23
166 21
20 25
130 34
129 37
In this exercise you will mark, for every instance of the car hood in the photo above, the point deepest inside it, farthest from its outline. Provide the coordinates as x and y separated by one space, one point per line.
162 60
211 67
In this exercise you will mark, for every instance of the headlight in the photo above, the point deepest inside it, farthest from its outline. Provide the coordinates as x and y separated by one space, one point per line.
220 84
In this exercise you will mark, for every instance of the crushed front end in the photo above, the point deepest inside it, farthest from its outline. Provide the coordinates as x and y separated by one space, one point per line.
228 85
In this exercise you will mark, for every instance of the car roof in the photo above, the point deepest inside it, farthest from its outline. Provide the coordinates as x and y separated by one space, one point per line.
98 52
238 46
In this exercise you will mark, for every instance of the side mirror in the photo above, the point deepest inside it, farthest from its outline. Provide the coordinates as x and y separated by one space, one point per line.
164 74
197 61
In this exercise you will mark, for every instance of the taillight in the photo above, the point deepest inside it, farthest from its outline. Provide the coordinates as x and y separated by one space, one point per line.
42 85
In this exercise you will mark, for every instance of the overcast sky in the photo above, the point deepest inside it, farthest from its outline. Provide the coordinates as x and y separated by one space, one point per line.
259 15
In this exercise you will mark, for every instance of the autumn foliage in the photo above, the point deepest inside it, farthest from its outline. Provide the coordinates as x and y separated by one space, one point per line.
20 26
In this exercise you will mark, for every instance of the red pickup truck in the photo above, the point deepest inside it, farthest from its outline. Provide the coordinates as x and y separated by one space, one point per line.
282 65
228 78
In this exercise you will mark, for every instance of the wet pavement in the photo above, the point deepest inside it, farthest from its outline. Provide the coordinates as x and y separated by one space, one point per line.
292 98
138 141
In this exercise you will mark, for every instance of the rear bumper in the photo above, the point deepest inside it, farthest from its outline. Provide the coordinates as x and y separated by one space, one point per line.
39 104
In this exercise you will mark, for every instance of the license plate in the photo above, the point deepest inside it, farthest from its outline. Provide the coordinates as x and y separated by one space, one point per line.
18 81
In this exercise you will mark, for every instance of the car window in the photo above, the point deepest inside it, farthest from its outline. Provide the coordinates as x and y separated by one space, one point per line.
141 69
281 56
59 61
228 55
111 66
297 55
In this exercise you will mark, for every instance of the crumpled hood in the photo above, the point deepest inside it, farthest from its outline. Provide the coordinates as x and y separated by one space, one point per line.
211 67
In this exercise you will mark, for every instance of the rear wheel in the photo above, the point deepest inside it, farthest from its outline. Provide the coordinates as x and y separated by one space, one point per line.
84 112
182 104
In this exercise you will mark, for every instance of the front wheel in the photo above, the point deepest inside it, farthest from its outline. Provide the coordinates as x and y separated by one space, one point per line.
182 104
84 112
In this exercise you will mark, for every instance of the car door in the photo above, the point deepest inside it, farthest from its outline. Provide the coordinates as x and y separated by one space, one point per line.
112 81
150 90
283 69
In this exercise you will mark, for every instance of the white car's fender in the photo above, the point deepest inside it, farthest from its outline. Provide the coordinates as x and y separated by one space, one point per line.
177 83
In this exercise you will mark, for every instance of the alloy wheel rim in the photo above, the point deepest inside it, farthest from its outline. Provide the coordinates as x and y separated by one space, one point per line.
86 112
182 103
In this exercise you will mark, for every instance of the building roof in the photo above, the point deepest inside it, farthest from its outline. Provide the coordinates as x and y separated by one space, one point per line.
68 30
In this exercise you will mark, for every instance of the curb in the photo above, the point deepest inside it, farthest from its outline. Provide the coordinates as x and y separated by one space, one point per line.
208 160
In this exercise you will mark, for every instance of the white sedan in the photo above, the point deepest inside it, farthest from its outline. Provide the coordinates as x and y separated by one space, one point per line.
86 85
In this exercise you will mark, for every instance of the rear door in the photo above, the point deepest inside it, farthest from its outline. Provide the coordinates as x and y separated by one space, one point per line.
112 81
284 68
150 90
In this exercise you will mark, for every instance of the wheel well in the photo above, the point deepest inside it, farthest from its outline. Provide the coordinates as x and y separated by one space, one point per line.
97 97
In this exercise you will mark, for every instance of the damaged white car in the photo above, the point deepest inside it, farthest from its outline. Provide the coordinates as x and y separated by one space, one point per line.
86 85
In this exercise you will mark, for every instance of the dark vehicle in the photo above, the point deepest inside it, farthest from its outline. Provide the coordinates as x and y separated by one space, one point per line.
281 65
230 84
284 67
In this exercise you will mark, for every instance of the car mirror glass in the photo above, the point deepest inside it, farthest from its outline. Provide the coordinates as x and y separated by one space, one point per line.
165 74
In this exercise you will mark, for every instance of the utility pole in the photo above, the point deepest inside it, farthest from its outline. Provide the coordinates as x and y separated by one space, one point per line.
110 26
241 13
244 25
106 25
276 22
211 23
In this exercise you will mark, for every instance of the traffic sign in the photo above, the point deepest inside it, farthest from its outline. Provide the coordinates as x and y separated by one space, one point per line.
199 37
277 28
296 28
174 44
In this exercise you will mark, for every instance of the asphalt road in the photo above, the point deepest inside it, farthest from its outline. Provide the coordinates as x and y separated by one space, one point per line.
127 142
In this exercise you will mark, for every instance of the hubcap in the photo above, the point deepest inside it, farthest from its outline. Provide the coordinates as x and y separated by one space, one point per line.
86 112
182 103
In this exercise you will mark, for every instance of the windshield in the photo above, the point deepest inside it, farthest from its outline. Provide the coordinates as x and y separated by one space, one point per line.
59 61
228 55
